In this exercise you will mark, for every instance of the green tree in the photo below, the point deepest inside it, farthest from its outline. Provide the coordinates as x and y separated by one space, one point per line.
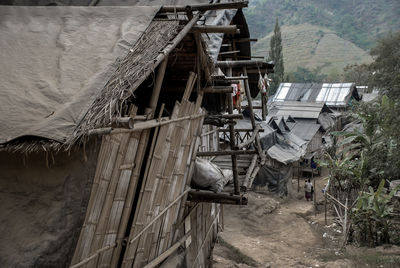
276 55
369 153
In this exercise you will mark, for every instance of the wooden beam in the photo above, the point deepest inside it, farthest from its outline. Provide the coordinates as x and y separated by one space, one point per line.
157 88
168 252
240 130
228 29
122 122
233 143
211 197
244 63
252 138
254 106
229 52
249 172
234 152
205 7
252 57
229 78
218 89
250 103
258 70
225 116
244 40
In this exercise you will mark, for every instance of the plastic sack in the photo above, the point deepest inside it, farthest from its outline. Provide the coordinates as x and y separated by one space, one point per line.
208 176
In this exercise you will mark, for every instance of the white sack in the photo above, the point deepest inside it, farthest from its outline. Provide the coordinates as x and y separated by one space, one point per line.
209 176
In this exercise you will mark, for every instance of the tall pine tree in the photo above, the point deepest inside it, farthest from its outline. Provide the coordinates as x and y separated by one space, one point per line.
276 55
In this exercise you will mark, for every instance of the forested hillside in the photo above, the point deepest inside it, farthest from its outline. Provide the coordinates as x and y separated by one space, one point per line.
358 21
314 48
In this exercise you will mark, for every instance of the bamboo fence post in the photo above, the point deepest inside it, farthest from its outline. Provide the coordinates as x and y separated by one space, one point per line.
345 217
325 208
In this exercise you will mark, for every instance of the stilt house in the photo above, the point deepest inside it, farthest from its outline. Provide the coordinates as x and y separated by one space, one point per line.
102 112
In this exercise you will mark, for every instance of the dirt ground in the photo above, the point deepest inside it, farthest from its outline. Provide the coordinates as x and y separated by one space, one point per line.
286 232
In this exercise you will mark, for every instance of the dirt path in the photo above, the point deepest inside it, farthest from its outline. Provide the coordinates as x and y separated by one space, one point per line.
274 232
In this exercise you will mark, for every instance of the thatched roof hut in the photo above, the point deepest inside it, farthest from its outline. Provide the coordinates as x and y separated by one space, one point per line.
74 73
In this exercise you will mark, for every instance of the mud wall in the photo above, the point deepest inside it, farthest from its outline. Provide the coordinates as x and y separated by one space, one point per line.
43 200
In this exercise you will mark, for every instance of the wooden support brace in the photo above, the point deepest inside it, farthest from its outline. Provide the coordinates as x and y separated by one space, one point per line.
252 138
218 89
231 152
240 130
211 197
244 40
226 116
244 63
229 52
205 7
122 122
228 29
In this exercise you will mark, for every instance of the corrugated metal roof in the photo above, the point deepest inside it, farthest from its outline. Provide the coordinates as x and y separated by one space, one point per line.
335 94
296 109
305 131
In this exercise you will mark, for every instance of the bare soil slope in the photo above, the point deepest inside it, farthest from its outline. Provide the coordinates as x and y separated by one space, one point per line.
275 232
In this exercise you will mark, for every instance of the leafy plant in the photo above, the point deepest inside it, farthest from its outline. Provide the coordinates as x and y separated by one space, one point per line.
372 216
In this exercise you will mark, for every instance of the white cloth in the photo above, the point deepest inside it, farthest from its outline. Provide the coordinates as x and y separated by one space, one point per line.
308 187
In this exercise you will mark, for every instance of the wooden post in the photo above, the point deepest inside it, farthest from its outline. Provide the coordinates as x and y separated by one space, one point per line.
263 108
345 218
157 88
250 105
232 143
298 178
314 194
325 208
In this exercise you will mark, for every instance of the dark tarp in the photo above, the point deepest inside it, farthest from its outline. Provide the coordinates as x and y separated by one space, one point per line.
276 179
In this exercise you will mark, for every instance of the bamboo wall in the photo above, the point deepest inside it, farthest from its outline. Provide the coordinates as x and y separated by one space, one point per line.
159 219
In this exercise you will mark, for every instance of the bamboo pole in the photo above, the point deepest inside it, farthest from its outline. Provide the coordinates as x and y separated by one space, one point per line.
243 63
106 206
222 198
218 89
165 238
122 122
120 197
228 29
168 186
249 172
168 252
94 211
251 139
217 153
205 7
135 251
102 158
232 143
